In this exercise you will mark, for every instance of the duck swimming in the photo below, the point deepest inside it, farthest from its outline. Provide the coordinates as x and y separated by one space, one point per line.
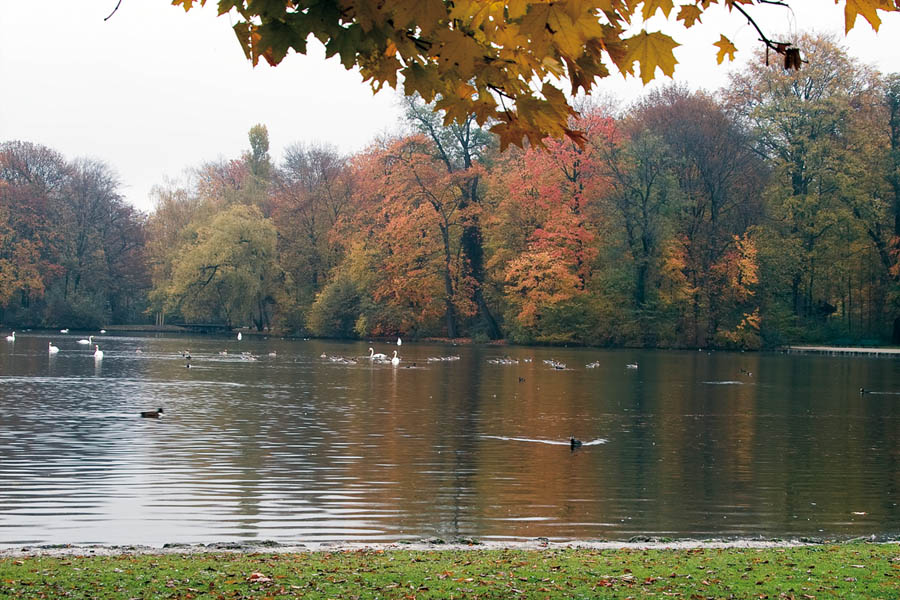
152 414
573 443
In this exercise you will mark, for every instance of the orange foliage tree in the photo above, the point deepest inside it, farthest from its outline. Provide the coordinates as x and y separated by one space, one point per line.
413 212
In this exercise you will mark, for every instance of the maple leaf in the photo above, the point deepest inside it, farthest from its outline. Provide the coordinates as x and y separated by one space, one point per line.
652 50
689 14
187 4
866 8
427 15
726 48
651 6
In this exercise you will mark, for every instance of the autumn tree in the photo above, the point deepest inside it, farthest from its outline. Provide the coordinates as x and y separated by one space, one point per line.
638 167
415 212
311 191
176 206
72 250
506 63
33 178
807 125
544 232
719 182
461 147
229 272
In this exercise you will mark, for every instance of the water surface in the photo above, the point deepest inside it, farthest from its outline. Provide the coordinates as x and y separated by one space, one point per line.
454 442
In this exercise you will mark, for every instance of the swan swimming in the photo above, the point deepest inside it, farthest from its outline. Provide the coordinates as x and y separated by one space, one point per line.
98 353
52 349
90 340
12 337
396 360
239 336
379 356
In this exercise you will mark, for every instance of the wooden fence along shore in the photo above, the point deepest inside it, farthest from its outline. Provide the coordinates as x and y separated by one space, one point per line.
846 351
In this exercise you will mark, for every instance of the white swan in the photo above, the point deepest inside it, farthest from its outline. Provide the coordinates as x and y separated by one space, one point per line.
90 340
631 366
102 331
239 336
396 360
98 353
66 330
379 356
12 337
52 349
399 342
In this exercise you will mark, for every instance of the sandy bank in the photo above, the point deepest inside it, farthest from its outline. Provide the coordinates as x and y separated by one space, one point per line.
425 545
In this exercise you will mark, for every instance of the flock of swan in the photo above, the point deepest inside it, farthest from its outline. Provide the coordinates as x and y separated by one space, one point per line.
373 357
51 349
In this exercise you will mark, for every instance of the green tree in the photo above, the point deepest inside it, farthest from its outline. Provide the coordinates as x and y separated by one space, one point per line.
803 123
230 272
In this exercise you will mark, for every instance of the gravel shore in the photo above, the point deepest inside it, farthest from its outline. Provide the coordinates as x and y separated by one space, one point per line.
638 543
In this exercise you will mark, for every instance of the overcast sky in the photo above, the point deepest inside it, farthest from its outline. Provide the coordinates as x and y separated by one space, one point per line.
154 91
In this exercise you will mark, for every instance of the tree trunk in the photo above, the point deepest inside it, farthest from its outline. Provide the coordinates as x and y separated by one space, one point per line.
450 310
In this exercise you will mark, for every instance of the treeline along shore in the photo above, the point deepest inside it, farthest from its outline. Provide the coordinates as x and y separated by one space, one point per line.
763 214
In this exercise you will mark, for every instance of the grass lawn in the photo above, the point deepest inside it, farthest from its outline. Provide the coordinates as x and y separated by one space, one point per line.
855 570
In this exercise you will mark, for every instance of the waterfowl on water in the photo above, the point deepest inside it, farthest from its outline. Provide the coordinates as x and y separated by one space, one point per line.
864 391
399 342
379 356
98 353
239 336
631 366
88 341
51 348
573 443
66 330
396 360
152 414
12 337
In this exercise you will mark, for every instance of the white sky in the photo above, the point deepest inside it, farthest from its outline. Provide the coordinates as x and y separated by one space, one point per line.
154 91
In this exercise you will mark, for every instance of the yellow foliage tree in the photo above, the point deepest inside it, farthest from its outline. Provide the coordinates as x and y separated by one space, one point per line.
501 61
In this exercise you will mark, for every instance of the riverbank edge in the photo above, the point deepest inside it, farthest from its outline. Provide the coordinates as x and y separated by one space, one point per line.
540 544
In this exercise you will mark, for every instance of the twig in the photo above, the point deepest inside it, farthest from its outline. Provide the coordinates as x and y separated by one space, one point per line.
118 4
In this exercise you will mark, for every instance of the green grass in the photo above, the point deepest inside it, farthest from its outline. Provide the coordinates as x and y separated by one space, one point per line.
837 571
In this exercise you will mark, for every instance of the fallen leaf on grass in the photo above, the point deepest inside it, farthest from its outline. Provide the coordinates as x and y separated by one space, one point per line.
258 578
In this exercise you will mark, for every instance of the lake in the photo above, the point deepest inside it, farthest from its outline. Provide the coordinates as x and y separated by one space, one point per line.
467 441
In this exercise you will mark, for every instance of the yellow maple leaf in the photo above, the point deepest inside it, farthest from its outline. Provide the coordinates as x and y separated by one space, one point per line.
867 8
651 6
651 50
187 4
565 35
689 14
428 15
726 48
